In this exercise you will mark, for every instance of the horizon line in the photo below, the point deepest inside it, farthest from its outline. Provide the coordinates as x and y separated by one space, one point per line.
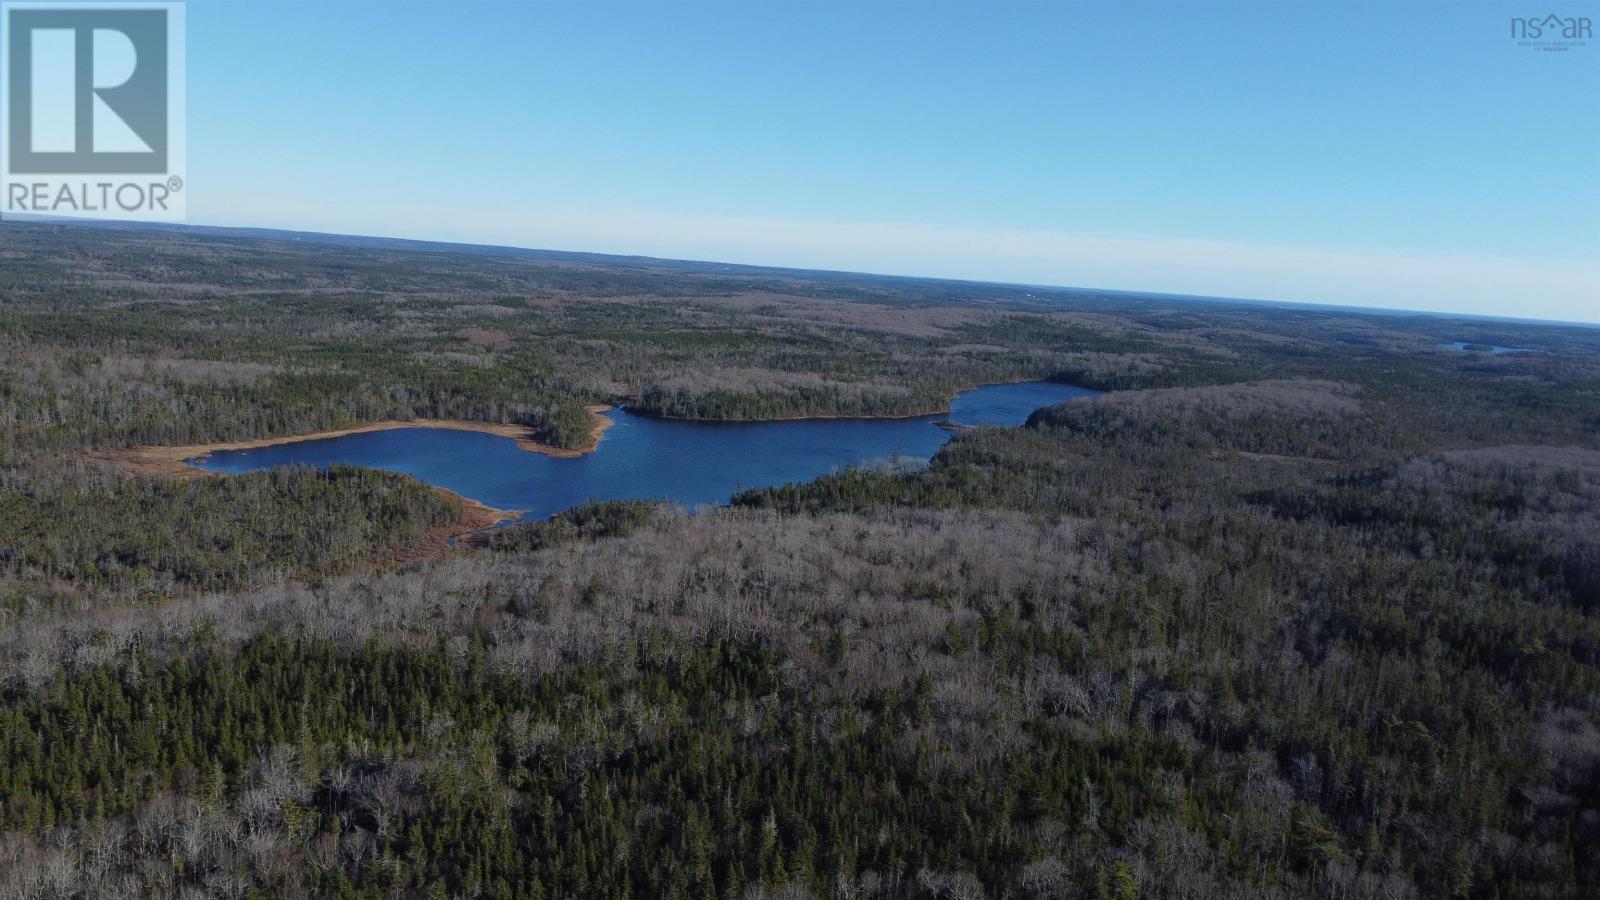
437 244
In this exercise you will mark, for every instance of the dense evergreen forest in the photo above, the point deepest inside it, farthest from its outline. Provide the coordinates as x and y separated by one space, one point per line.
1308 605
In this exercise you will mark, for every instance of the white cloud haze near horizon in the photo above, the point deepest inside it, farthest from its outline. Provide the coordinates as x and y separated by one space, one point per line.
1439 283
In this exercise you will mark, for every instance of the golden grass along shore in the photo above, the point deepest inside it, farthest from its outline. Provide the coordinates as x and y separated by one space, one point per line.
173 460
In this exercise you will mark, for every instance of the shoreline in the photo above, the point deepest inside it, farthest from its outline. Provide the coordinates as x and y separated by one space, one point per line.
826 417
796 418
476 517
174 460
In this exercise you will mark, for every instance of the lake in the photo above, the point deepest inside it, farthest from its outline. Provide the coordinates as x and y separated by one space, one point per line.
1492 349
693 463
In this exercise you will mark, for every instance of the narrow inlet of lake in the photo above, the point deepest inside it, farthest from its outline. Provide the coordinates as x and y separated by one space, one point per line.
642 457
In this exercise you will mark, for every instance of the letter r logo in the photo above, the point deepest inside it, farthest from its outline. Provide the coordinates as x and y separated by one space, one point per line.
86 89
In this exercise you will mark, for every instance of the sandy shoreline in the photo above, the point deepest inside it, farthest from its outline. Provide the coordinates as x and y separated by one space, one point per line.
173 460
476 517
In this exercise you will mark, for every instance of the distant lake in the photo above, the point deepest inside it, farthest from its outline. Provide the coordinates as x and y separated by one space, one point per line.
1492 349
693 463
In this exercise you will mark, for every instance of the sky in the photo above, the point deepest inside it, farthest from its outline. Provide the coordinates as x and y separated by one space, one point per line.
1400 155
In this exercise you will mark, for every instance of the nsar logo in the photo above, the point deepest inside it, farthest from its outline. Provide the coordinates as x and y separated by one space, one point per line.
1552 33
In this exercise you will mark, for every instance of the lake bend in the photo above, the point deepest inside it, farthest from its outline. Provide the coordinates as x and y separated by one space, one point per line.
641 457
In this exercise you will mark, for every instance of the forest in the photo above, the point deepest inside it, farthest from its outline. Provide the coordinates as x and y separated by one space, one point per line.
1307 605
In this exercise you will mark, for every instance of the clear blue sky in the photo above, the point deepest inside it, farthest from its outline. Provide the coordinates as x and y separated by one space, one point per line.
1398 154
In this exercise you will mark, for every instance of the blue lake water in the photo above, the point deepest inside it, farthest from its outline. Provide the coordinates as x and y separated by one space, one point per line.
693 463
1494 349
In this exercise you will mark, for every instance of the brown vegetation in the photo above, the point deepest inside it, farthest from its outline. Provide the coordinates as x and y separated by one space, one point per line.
174 461
1304 609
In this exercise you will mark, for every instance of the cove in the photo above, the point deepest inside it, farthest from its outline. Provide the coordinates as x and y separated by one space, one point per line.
693 463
